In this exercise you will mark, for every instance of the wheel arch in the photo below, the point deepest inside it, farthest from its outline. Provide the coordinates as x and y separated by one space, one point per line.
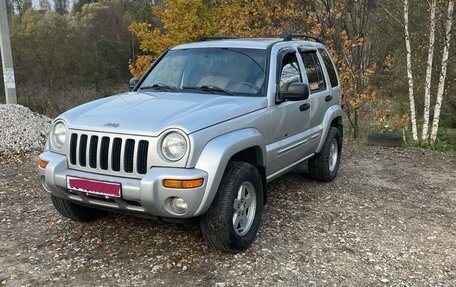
254 156
332 118
245 145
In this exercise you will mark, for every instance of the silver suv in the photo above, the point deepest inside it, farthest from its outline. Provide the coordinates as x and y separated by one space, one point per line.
200 135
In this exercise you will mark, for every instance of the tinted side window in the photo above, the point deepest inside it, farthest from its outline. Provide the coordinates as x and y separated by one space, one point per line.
290 72
314 72
329 67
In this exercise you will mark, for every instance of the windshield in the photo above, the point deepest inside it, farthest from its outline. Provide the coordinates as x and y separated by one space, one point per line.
225 71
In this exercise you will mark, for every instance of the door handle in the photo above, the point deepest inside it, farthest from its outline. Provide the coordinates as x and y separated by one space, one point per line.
328 98
304 107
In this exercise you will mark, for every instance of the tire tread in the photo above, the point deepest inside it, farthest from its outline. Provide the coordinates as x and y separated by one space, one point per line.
75 211
319 165
215 223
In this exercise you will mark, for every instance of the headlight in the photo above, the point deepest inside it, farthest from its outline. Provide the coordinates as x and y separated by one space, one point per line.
58 135
174 146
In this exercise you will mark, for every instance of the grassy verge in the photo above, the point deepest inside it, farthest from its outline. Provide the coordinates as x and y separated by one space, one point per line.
446 140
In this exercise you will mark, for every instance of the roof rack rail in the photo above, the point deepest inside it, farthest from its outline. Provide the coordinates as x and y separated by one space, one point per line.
209 38
290 37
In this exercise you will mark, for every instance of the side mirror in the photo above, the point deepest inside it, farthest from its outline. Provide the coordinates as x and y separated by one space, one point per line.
295 92
132 83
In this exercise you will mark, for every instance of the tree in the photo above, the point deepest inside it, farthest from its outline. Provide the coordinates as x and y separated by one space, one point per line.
9 7
347 29
26 4
427 87
15 6
77 6
443 73
61 6
183 21
45 5
410 71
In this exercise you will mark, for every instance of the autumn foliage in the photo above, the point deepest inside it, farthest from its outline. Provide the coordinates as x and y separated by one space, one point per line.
92 50
185 20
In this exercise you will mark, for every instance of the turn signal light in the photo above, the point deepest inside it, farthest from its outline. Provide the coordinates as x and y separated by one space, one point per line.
42 163
176 183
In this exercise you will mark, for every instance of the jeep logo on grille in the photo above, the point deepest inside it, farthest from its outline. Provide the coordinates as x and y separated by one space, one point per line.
112 125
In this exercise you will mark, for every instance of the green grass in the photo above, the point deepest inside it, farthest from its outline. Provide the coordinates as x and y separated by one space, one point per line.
446 140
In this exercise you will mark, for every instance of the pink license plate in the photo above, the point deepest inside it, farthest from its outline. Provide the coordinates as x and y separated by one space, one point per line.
94 186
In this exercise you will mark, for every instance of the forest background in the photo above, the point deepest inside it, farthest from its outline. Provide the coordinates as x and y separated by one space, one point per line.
67 53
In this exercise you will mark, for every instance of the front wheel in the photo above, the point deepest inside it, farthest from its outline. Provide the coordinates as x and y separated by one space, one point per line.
325 164
232 221
75 211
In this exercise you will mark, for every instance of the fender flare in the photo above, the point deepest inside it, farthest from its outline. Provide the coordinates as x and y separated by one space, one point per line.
333 112
215 157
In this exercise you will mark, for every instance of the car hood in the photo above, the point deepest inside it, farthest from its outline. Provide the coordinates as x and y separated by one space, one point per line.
151 113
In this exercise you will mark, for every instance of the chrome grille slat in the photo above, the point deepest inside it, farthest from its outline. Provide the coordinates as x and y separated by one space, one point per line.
135 158
77 149
109 153
111 143
122 154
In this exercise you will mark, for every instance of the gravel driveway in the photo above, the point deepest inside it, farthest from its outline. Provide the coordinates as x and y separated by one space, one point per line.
387 220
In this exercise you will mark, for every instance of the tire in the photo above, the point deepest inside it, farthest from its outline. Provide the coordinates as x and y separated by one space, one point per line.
218 223
322 167
385 140
75 211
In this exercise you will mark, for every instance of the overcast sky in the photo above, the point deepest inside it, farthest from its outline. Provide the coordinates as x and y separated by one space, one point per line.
36 3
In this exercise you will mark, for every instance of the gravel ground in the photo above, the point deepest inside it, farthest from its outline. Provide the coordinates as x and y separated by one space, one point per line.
22 130
387 220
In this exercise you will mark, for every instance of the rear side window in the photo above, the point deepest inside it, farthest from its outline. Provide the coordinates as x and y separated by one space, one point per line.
314 71
329 67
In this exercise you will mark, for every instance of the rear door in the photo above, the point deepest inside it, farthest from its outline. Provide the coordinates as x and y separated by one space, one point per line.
331 76
319 93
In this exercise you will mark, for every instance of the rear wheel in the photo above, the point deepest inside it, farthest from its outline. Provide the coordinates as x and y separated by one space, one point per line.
232 221
75 211
325 164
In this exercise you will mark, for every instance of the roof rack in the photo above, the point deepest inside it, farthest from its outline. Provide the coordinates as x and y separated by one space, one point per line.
209 38
290 37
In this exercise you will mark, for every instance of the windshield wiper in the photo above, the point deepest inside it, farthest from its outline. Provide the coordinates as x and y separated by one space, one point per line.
209 88
159 86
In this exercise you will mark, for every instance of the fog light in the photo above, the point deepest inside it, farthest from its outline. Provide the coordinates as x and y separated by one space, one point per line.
179 205
44 184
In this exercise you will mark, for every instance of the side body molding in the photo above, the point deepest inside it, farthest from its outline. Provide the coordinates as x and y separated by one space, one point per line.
333 112
217 153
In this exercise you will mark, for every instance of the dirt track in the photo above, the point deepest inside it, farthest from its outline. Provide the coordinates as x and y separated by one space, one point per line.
388 220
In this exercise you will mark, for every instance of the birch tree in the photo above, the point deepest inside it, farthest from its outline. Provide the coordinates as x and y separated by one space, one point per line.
409 71
45 5
443 72
427 85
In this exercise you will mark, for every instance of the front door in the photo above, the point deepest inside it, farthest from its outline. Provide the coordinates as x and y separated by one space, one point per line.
290 119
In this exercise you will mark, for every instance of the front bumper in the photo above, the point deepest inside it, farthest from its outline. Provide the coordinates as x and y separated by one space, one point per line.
146 195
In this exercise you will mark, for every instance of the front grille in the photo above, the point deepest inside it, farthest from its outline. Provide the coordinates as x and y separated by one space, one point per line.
109 153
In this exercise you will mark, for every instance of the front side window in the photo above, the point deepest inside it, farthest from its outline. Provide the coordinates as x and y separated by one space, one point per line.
234 71
290 72
314 71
